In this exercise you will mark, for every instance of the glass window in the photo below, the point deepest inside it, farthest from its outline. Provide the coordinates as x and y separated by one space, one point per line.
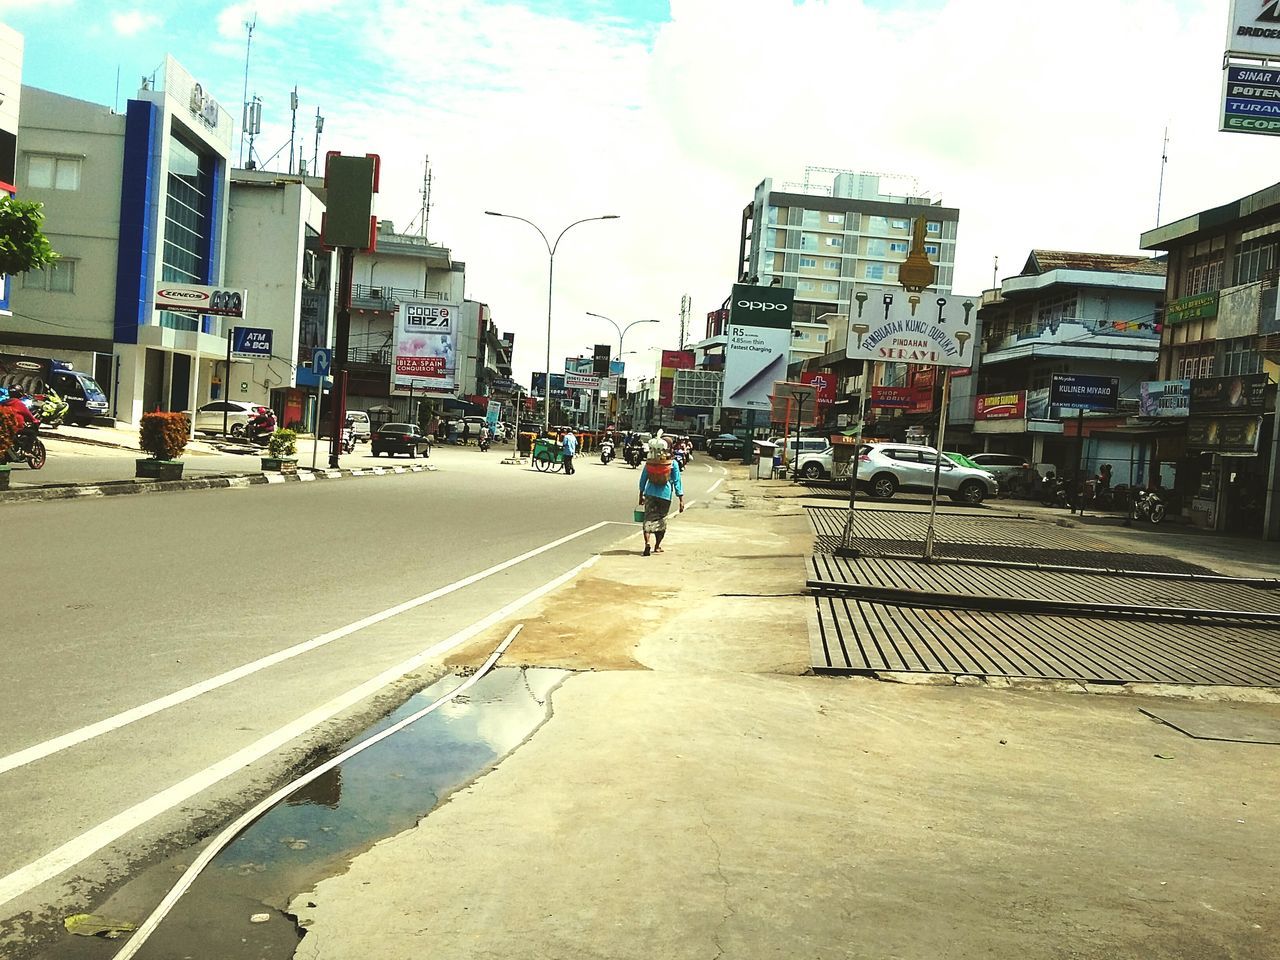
835 218
773 214
933 226
835 241
891 271
35 280
931 249
822 338
808 241
771 238
804 285
1239 356
876 247
899 246
831 264
810 218
877 224
1203 276
899 224
62 276
875 271
829 287
808 262
53 173
1054 311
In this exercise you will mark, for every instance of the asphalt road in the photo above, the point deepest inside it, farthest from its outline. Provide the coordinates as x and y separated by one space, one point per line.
121 601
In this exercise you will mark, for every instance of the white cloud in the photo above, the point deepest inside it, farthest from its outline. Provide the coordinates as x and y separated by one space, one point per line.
1041 121
130 23
270 13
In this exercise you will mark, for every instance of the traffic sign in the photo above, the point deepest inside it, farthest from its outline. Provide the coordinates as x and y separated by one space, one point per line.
321 359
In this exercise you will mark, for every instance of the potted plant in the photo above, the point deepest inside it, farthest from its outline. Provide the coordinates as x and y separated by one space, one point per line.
282 446
8 437
163 436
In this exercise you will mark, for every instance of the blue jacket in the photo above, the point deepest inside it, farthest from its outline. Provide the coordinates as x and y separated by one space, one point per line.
569 445
662 491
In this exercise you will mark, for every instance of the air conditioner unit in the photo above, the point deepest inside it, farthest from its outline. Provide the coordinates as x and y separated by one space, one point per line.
375 293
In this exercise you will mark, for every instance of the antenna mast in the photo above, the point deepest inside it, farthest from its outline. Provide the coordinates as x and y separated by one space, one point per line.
426 194
1164 160
293 125
248 46
686 307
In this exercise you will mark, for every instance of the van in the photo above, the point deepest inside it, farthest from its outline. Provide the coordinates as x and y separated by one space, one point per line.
84 397
360 425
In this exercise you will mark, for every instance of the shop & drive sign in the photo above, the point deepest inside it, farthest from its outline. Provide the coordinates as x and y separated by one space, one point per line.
425 348
935 330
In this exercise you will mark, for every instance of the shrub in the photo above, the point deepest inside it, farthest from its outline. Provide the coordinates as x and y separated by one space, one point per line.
8 432
164 435
283 443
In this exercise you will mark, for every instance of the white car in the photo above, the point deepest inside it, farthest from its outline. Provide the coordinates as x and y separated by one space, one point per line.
235 414
805 445
885 468
816 466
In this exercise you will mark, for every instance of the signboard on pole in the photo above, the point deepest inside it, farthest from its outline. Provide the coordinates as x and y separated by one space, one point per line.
758 344
581 381
321 358
195 298
1250 100
824 384
1253 29
426 346
1097 394
250 343
935 329
892 398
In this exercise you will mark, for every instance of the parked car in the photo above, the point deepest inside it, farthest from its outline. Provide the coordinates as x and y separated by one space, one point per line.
360 425
803 446
1014 472
816 466
728 447
393 438
235 414
85 399
885 468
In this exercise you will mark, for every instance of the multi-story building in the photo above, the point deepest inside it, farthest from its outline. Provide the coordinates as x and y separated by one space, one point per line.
1080 313
130 201
1220 352
11 46
826 242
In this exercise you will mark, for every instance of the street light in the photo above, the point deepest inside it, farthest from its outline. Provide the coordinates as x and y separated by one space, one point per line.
622 331
551 268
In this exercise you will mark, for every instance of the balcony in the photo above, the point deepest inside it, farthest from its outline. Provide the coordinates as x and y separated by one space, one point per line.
366 296
380 356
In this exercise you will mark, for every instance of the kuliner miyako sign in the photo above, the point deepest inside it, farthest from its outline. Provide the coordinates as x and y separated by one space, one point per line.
1099 394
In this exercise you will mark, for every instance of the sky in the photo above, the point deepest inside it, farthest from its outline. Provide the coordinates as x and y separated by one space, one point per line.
1042 121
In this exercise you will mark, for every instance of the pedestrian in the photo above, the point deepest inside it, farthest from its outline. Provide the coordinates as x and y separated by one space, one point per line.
569 449
659 481
466 432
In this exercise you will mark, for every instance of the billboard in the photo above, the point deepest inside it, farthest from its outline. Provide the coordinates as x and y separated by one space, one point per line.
824 383
758 342
558 389
1250 100
194 298
1099 394
581 381
1253 28
936 330
1001 406
672 360
1244 394
250 343
426 346
1164 398
892 398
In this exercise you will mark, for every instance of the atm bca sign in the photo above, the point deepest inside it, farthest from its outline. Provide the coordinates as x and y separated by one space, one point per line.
193 298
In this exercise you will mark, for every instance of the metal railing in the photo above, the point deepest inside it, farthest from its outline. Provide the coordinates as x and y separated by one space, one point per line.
361 355
387 297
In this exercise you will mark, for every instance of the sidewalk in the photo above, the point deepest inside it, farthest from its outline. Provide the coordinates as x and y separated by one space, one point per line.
694 796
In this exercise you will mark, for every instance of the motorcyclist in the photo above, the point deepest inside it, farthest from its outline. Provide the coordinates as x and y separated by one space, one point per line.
11 399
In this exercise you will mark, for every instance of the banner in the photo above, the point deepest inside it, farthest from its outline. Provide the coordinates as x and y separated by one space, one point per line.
824 383
672 360
426 347
558 390
1244 394
754 358
1099 394
1001 406
892 398
1164 398
935 330
581 381
194 298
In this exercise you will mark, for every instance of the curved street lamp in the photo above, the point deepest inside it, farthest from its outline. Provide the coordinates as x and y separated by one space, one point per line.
551 267
622 331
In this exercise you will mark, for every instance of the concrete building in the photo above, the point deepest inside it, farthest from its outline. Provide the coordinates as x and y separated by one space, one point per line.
11 48
1220 354
825 242
1080 313
131 201
273 253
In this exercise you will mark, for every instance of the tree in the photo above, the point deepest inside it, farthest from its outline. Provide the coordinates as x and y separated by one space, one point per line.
22 246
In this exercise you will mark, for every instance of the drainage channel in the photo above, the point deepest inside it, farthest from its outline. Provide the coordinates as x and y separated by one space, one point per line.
235 908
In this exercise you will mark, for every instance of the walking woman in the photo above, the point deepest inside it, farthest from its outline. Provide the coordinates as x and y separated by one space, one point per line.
659 482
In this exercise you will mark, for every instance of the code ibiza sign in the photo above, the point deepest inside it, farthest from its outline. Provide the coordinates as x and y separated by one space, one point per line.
900 327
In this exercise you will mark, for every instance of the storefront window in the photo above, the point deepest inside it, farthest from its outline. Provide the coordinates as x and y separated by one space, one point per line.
188 217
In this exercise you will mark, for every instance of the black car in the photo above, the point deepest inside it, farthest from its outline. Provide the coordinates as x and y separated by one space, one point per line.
728 447
393 438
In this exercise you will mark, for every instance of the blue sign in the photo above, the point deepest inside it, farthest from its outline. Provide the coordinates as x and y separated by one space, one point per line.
250 343
321 358
1099 394
1251 100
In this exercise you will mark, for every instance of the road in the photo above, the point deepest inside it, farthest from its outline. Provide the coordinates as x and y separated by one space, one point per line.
127 600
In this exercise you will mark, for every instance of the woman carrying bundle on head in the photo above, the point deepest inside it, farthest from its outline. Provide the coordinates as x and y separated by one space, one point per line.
659 482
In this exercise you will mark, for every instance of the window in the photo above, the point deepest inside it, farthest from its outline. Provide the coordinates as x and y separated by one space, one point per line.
901 224
835 241
933 226
1197 361
899 246
931 249
1239 356
891 271
773 215
822 338
808 241
875 271
59 277
808 262
877 224
831 264
53 173
810 218
1204 276
771 238
876 247
804 285
829 287
835 218
1053 311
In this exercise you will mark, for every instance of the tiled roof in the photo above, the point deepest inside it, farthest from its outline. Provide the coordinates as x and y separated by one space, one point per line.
1042 261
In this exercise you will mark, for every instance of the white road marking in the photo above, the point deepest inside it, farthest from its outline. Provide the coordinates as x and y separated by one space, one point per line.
714 485
94 839
46 748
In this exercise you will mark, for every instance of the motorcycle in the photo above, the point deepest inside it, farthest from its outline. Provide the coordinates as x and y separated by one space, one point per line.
606 451
348 440
483 443
1054 491
682 458
635 456
27 448
1147 505
261 427
49 408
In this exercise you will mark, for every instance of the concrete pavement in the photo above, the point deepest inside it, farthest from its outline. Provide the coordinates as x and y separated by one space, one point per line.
693 797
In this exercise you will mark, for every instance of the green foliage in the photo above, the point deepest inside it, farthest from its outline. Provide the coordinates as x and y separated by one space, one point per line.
22 246
283 443
164 435
8 432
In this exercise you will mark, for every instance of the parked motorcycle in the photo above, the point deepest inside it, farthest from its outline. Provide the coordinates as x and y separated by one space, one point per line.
1147 505
1054 491
27 448
261 427
606 451
49 408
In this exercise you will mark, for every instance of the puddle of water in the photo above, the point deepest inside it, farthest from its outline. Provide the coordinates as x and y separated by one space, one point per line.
321 827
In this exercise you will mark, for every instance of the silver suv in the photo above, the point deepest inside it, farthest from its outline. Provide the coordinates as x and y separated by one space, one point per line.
885 468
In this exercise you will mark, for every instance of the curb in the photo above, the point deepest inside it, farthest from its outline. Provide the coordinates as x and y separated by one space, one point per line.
110 488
